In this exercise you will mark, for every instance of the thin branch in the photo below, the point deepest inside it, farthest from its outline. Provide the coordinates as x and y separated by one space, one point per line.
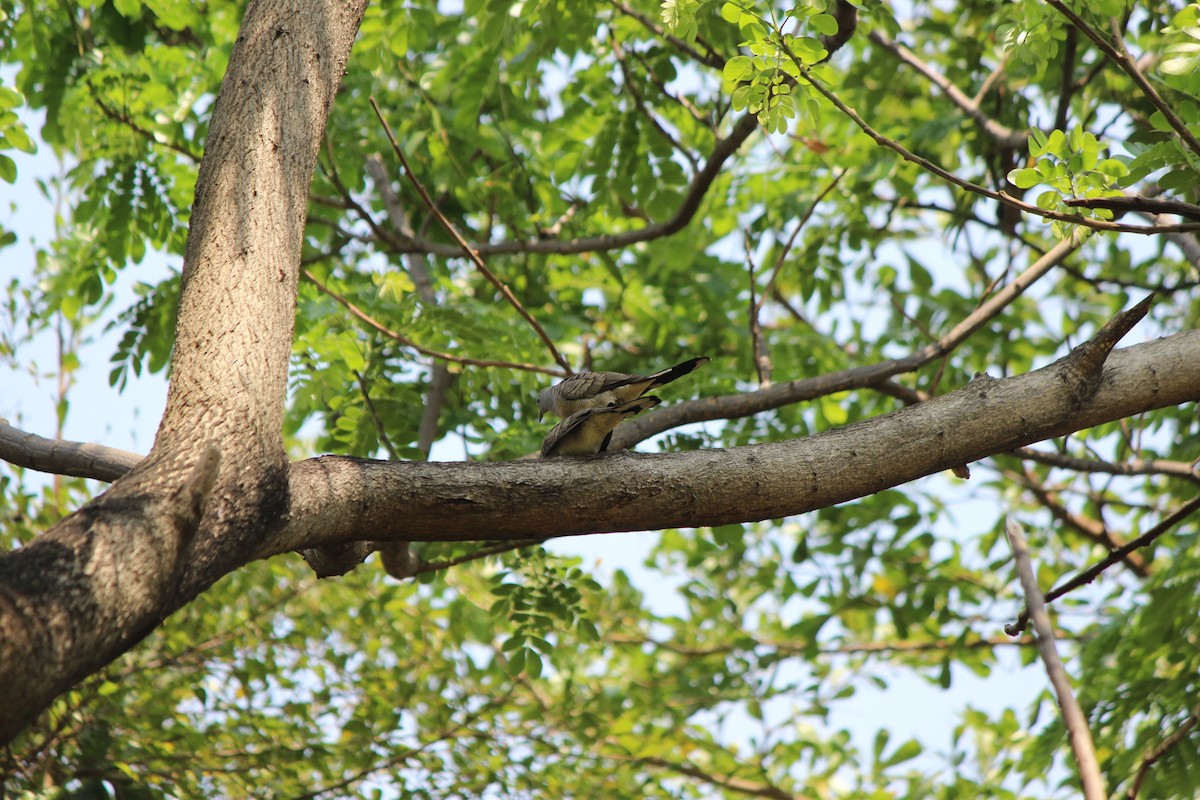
452 733
404 340
991 80
762 359
380 429
1148 205
1073 717
483 552
791 240
1067 79
801 647
1089 528
1002 134
1121 57
697 189
785 393
124 119
466 248
418 269
348 201
1164 747
1090 574
712 59
1135 466
640 104
679 99
733 783
962 183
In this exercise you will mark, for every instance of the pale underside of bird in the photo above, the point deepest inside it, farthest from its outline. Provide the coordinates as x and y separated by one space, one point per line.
599 389
590 430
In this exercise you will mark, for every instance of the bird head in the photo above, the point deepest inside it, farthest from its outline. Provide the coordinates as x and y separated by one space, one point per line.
544 403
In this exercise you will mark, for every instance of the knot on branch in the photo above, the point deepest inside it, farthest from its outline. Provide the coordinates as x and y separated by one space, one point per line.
1083 367
333 560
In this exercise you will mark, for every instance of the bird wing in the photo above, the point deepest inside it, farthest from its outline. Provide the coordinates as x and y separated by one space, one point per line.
589 431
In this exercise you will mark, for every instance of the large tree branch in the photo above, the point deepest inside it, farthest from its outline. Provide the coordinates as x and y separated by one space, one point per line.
336 499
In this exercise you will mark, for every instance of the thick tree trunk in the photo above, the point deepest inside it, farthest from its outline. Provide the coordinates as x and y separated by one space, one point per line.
216 481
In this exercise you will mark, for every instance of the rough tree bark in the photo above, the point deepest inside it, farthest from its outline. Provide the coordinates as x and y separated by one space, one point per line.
215 483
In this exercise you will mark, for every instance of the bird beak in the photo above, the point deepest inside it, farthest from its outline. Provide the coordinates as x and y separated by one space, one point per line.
540 415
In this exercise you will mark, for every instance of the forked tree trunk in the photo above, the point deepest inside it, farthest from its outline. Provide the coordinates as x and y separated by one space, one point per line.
215 483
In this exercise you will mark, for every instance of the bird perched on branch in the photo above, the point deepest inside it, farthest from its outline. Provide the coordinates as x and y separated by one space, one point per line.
590 430
599 389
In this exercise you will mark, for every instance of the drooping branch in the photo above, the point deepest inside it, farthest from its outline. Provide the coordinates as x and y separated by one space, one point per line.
404 340
466 248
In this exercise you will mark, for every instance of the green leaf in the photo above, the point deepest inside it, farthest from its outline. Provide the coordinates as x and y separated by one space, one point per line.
824 23
905 752
1024 178
737 68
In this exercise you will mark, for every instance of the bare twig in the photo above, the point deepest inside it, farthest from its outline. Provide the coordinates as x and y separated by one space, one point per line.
467 250
418 270
1077 728
762 359
680 99
1163 747
791 240
801 647
404 340
991 80
1090 574
380 429
711 58
1089 528
1135 466
640 104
